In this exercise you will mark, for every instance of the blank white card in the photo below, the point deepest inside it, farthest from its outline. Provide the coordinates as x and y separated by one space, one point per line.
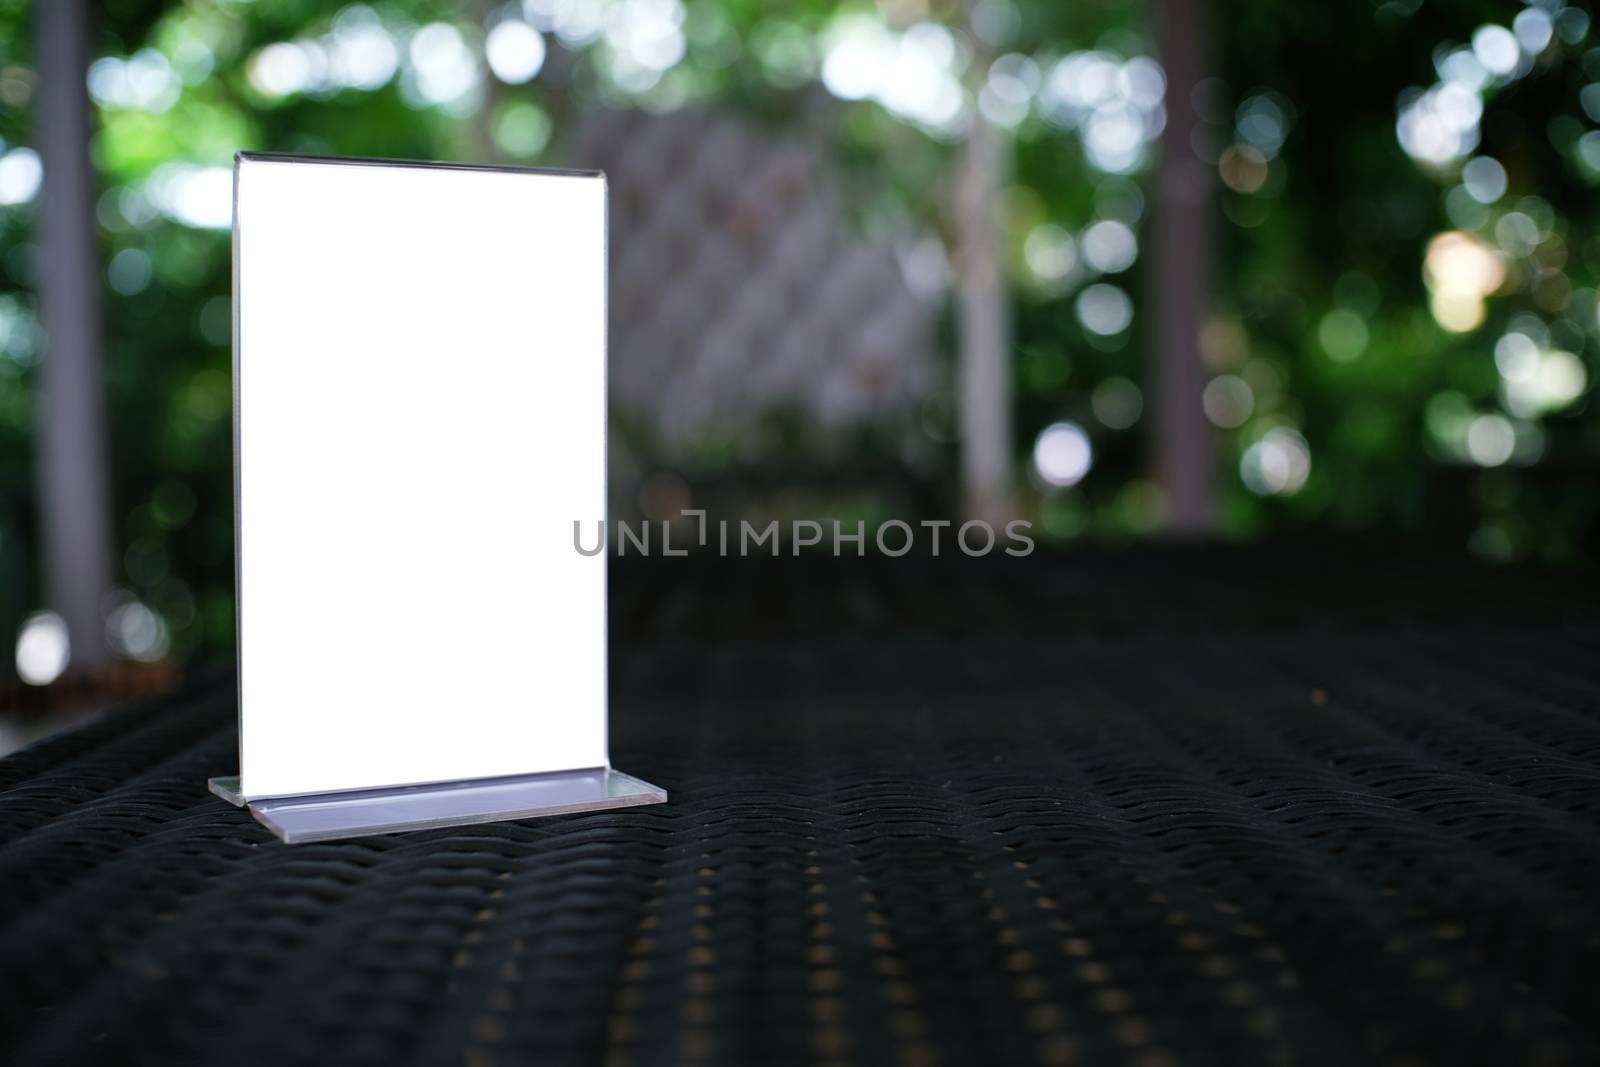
419 385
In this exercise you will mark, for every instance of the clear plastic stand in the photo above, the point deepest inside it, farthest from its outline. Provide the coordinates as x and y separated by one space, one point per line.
419 425
420 807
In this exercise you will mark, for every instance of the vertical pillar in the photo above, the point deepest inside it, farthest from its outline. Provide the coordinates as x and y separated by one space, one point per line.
1181 278
984 376
74 487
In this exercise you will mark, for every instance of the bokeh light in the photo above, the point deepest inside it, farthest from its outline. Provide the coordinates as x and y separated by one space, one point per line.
1110 247
1115 106
1117 403
1104 309
1343 334
1497 49
43 648
1050 252
913 74
195 196
134 630
145 81
1243 168
443 69
1484 179
1490 440
20 176
1460 271
1062 455
1541 383
1228 401
515 51
1276 465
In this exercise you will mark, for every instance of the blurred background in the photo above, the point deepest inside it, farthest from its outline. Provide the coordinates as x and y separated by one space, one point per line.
1233 269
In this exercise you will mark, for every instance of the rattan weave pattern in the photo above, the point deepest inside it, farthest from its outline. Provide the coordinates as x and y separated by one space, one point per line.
1180 807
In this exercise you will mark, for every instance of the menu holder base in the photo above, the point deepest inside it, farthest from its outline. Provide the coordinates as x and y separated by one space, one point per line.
360 813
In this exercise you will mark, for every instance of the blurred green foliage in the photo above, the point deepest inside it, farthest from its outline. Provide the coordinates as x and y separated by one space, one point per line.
1342 402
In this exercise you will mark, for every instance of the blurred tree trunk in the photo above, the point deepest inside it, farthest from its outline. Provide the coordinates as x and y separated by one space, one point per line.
74 486
1181 278
984 377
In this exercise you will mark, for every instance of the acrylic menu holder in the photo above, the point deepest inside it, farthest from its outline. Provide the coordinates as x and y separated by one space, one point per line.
419 419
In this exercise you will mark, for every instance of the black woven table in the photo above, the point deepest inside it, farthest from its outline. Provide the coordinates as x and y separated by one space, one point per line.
1193 806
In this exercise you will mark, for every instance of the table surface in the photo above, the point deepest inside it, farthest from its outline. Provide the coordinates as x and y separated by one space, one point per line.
1180 806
